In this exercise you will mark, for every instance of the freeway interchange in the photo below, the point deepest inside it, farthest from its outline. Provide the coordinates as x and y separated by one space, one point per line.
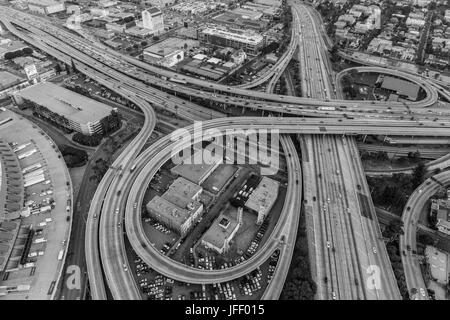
342 225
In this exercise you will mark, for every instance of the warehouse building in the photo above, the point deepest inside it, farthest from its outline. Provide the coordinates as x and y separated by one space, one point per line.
68 109
45 6
196 173
10 82
262 199
178 208
168 52
404 89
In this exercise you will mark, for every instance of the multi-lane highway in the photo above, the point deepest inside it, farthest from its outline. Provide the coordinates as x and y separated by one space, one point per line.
344 236
348 222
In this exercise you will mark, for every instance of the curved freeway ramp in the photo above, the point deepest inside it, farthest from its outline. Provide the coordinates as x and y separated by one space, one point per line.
410 217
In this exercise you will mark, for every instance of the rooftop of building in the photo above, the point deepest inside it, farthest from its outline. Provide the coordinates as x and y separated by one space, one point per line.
185 188
67 103
44 2
8 80
194 172
12 46
169 46
220 230
246 36
402 87
153 10
171 211
442 209
264 195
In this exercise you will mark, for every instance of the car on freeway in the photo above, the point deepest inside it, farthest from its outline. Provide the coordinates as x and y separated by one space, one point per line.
374 250
422 292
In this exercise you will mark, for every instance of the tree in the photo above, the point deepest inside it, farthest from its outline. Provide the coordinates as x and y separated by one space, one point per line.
92 141
58 68
418 175
27 51
74 68
425 239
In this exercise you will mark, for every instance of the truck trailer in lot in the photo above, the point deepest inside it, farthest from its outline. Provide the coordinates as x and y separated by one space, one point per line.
40 240
33 181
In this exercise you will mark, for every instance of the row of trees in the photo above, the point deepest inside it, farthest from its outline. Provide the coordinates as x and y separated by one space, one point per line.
73 157
392 192
19 53
99 169
91 141
299 285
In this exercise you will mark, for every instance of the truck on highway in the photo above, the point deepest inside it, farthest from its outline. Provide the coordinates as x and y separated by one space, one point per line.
60 254
326 108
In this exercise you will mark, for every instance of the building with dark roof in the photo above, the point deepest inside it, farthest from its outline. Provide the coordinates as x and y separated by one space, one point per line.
402 88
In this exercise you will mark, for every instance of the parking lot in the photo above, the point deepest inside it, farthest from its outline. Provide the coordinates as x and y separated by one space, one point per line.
47 209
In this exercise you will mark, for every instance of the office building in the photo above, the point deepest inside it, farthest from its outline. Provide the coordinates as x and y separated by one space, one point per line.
262 199
219 236
250 42
152 19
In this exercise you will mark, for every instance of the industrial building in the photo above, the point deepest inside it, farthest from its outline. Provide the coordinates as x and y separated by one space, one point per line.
196 173
168 52
10 82
158 3
178 208
251 42
262 199
45 6
221 233
69 109
404 89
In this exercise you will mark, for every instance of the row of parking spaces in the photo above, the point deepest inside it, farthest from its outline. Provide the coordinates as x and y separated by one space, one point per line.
207 262
86 84
241 197
223 291
160 288
251 283
256 241
36 213
273 261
